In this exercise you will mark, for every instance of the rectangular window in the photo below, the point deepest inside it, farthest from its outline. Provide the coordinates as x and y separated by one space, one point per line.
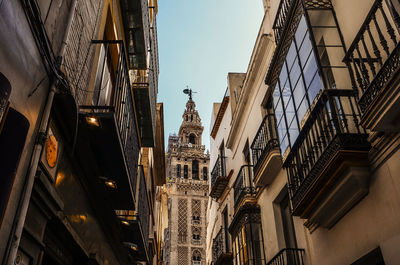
248 246
178 170
205 173
185 171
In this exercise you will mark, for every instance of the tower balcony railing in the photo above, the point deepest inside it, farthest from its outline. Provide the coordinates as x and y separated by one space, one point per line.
265 151
243 188
219 179
288 256
327 165
373 60
220 250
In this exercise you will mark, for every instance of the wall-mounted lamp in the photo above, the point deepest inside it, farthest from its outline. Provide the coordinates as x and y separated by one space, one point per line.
92 120
125 223
132 246
109 183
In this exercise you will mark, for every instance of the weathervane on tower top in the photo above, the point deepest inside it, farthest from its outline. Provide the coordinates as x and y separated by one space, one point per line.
189 92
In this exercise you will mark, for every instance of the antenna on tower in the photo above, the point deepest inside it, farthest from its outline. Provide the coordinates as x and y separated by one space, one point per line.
188 91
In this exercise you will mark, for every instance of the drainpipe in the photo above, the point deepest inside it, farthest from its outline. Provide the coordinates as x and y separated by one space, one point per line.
41 137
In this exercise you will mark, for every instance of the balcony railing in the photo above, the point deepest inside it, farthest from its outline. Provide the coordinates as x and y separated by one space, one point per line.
374 55
219 180
243 186
264 142
116 106
220 249
143 207
136 223
332 127
288 256
282 18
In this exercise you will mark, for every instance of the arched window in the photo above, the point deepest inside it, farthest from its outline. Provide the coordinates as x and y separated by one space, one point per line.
205 173
192 138
195 169
196 257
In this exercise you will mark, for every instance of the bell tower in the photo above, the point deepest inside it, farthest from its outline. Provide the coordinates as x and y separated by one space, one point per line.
191 129
187 190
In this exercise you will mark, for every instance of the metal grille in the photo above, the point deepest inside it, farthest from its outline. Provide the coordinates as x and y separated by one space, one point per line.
288 256
196 212
182 221
79 56
183 256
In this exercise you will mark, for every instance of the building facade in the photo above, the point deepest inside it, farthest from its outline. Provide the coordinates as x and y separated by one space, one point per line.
81 132
308 140
186 192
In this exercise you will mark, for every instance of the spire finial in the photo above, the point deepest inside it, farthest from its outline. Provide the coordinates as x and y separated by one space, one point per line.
189 92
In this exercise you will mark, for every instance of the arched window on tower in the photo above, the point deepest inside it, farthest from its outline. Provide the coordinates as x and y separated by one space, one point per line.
185 171
178 170
205 173
192 138
196 257
195 169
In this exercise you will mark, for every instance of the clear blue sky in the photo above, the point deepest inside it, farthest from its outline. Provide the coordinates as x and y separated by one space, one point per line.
199 42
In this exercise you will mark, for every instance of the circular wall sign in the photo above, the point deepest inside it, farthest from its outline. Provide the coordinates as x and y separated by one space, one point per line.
51 151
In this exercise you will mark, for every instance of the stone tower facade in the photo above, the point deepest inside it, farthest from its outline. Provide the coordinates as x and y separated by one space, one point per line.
187 191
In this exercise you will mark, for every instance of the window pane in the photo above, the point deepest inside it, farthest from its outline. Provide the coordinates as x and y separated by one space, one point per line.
283 75
301 31
314 87
293 131
290 110
295 72
305 50
284 144
310 69
302 109
299 91
291 55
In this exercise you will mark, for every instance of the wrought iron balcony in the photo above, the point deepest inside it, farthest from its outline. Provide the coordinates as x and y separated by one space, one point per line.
266 152
135 224
327 166
220 250
135 16
243 188
219 179
107 137
282 18
373 60
288 256
145 102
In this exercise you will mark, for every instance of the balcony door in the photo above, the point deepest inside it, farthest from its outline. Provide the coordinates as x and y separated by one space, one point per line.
225 227
287 223
222 155
103 83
